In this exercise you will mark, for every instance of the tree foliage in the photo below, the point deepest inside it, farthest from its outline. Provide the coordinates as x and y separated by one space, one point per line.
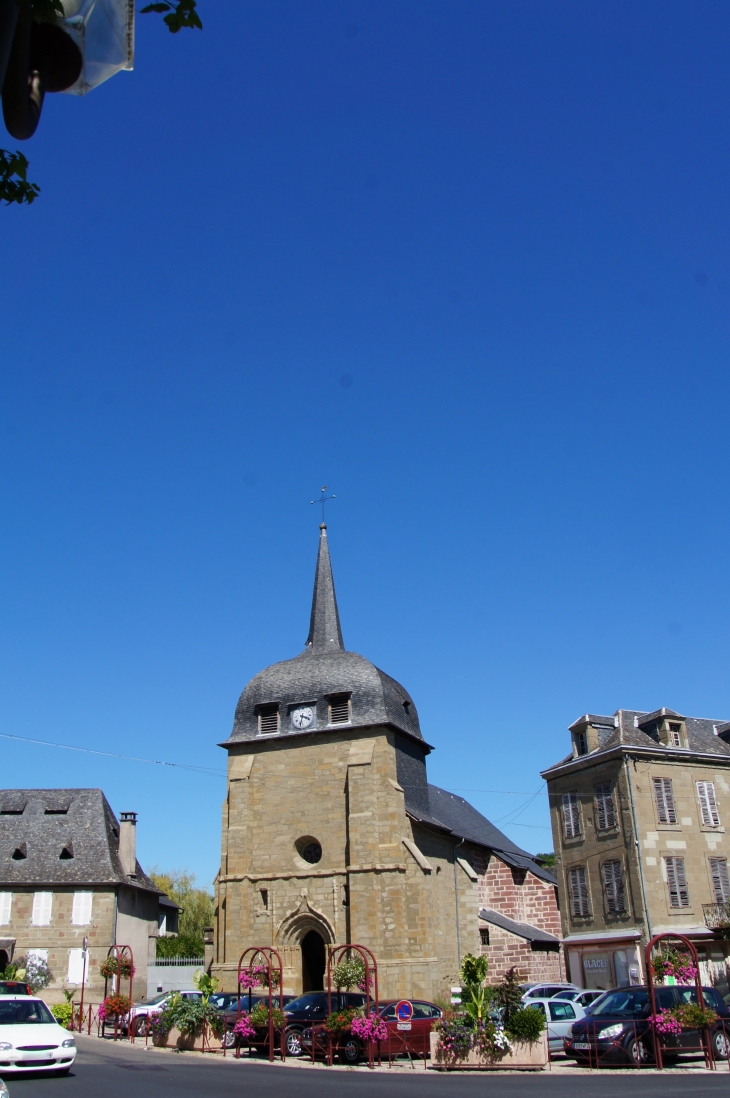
180 13
14 185
197 913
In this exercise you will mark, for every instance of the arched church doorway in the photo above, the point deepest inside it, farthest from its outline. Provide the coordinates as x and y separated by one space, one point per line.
313 961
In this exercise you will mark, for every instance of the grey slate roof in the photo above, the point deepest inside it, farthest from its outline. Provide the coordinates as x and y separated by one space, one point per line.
322 669
522 930
703 734
45 821
456 815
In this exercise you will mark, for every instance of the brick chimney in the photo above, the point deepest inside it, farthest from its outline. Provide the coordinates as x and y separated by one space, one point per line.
128 842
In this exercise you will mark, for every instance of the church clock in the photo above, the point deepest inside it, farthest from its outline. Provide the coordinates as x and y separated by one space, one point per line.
302 717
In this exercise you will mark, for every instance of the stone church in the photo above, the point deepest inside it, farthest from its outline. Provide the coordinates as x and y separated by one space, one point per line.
332 834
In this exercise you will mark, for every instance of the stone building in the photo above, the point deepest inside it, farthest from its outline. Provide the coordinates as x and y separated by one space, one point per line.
639 811
332 834
69 872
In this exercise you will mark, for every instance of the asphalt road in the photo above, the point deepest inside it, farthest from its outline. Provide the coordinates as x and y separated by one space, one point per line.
118 1071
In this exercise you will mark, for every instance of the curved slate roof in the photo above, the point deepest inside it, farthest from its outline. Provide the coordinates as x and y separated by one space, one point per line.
323 669
44 821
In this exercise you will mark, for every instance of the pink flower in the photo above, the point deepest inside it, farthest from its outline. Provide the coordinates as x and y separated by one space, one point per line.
244 1027
369 1029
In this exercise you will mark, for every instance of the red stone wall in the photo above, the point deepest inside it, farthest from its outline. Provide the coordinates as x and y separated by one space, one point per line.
521 896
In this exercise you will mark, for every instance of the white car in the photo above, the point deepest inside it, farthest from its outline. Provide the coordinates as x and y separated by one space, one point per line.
31 1039
585 998
149 1007
559 1015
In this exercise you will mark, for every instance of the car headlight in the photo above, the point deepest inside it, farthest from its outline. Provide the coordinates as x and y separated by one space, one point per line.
68 1043
611 1031
4 1092
4 1046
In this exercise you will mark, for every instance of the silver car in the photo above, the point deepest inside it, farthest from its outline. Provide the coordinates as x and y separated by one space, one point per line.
559 1015
585 998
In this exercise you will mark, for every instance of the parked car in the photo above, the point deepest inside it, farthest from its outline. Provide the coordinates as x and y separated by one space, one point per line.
140 1012
546 990
32 1039
617 1029
414 1032
14 987
559 1017
248 1002
585 998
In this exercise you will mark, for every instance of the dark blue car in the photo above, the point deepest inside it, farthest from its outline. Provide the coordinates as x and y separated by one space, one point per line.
618 1030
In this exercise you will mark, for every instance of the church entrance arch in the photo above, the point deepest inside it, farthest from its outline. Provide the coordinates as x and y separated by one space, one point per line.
314 961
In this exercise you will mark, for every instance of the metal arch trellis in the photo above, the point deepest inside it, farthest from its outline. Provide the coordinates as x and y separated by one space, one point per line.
335 954
118 952
269 954
674 937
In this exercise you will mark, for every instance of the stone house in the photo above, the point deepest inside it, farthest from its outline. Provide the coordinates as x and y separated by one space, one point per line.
639 812
332 834
69 875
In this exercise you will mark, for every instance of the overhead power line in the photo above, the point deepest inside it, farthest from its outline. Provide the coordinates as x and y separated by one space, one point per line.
209 770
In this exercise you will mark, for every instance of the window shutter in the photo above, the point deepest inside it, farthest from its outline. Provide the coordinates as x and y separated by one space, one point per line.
708 804
6 902
571 815
665 800
42 908
81 911
75 966
579 891
605 815
720 880
614 882
268 718
340 709
677 881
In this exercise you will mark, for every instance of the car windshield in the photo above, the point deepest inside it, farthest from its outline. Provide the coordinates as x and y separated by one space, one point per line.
306 1002
628 1003
154 999
21 1012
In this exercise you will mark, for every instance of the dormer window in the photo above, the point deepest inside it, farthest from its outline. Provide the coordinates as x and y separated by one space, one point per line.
675 735
268 719
339 705
581 743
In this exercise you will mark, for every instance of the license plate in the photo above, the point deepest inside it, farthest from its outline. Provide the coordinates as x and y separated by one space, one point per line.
404 1025
581 1044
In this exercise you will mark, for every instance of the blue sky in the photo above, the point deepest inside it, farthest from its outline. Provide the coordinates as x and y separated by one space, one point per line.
467 264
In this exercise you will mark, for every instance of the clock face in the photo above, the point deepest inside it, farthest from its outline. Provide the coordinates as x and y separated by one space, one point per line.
302 717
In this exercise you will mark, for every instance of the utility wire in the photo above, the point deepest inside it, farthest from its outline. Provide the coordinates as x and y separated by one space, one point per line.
209 770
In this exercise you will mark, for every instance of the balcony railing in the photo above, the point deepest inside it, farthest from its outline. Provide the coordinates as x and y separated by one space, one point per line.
717 916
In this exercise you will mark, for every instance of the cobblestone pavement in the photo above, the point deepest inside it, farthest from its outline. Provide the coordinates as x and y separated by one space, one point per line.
122 1070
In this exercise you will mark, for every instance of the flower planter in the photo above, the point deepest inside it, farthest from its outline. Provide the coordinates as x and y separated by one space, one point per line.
188 1042
523 1057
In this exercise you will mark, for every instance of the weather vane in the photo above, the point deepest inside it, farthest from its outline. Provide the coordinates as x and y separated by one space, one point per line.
322 499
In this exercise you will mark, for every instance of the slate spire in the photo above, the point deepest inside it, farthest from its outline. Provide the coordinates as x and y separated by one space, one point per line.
324 624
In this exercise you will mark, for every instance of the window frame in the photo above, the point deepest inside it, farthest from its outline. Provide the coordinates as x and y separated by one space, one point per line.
664 799
336 701
39 906
724 885
570 808
603 802
579 891
680 883
6 908
710 797
614 889
272 709
77 902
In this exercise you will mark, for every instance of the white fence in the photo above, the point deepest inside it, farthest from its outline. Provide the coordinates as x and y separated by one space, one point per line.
172 974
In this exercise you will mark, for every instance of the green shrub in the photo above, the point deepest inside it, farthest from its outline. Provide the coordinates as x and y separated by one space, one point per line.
525 1024
63 1013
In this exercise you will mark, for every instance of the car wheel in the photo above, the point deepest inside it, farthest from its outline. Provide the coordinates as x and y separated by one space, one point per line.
350 1051
638 1051
720 1045
294 1042
139 1026
229 1039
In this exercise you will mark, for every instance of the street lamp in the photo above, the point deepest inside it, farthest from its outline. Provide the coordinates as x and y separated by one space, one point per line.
84 956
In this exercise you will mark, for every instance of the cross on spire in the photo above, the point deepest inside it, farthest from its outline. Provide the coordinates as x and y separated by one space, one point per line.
322 499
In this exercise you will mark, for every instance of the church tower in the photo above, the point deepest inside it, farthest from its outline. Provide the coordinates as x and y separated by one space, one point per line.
327 833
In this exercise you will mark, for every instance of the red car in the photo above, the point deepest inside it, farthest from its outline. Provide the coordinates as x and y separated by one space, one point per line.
409 1023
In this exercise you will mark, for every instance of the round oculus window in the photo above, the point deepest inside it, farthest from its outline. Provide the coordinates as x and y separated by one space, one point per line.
309 849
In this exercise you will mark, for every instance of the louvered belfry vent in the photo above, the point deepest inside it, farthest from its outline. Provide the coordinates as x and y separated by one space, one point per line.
268 718
340 709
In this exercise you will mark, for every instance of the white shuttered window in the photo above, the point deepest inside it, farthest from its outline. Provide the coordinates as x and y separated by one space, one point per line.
42 908
75 966
708 804
81 911
6 903
720 880
614 884
605 815
571 815
579 891
666 811
677 882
